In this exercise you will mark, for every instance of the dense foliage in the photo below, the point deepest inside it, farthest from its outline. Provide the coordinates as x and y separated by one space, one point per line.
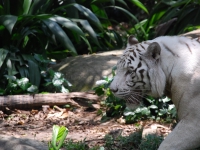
168 18
35 32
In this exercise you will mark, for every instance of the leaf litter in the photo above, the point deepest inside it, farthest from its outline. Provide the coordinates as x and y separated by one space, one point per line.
84 123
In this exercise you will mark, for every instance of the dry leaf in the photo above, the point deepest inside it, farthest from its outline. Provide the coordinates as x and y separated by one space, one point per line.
33 112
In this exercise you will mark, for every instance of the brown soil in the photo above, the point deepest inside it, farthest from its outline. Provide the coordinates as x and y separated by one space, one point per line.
83 123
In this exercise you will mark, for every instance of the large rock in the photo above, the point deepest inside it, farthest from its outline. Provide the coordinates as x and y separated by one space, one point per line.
83 71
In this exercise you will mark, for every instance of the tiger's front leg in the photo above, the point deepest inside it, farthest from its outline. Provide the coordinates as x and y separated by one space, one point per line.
185 136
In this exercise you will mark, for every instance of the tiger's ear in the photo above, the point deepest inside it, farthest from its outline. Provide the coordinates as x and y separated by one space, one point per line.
155 72
153 51
132 40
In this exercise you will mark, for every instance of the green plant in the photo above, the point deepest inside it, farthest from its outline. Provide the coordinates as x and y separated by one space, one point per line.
18 86
37 31
169 18
107 11
156 109
150 142
32 35
115 106
134 141
130 142
80 145
58 137
55 82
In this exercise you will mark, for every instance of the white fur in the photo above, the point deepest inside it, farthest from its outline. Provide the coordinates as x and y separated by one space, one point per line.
176 73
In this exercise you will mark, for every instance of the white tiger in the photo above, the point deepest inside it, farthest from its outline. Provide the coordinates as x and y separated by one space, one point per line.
168 65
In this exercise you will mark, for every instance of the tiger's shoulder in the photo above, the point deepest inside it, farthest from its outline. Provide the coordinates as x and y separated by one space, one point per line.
178 46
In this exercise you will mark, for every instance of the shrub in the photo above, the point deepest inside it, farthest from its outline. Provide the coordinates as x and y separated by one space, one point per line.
35 32
168 18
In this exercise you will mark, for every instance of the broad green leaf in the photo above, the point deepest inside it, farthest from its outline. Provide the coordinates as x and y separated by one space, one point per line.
85 11
154 19
117 107
26 6
41 58
88 44
131 15
8 21
159 8
140 5
23 70
59 135
182 2
101 13
170 107
33 70
23 83
165 100
61 131
26 39
171 13
46 6
54 136
13 85
58 79
68 83
34 73
129 113
101 148
60 35
71 11
10 68
145 111
186 21
32 89
122 2
89 30
64 90
69 25
36 6
3 55
162 112
13 78
168 2
89 15
153 107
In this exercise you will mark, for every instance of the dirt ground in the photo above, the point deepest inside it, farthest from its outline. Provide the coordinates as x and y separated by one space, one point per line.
82 122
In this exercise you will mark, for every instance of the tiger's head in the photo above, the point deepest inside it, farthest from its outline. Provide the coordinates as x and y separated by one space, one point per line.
139 72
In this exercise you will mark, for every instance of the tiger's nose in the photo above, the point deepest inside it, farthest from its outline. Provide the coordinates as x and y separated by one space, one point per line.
114 90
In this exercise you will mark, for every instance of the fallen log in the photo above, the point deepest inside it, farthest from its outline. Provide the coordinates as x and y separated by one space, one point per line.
51 99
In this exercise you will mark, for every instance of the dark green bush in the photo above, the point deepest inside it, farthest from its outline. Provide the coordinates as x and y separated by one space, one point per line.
168 18
35 32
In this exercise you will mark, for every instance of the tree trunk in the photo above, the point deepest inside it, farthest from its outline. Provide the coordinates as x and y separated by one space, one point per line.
30 101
